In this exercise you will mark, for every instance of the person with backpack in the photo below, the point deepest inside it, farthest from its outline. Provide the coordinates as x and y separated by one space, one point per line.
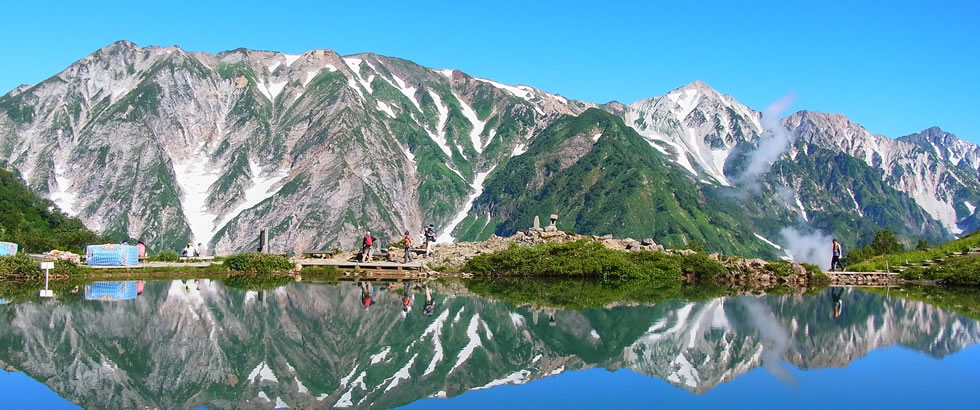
835 261
407 241
366 245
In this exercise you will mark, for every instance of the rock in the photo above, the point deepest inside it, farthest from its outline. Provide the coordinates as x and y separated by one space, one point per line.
298 268
685 252
550 228
659 248
715 256
549 234
799 269
648 242
757 263
632 245
606 237
537 223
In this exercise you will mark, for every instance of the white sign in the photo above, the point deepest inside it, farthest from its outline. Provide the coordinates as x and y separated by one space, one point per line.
47 265
47 293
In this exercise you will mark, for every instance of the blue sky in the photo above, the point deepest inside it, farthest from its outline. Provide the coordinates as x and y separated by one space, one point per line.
894 67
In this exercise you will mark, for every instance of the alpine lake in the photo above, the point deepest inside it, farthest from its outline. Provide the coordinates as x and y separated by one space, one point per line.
489 345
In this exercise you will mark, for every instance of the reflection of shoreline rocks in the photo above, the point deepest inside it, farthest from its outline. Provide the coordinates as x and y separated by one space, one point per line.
199 344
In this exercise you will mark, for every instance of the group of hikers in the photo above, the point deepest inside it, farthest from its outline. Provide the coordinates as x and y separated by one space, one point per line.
407 299
190 251
368 242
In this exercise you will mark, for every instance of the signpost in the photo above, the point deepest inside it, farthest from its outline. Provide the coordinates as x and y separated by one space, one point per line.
46 293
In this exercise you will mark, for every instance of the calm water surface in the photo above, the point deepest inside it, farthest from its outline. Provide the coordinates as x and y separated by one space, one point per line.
188 344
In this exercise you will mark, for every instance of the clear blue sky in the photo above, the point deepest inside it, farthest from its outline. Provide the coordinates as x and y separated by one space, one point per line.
895 68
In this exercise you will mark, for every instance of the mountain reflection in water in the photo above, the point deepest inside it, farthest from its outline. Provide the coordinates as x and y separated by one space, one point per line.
197 343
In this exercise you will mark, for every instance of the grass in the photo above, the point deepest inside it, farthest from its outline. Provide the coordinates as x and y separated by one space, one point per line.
955 270
258 263
879 263
584 259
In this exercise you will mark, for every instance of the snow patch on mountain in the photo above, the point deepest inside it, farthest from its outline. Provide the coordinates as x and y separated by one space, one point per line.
970 207
447 233
440 134
62 194
261 188
477 125
385 108
518 150
195 177
409 92
786 256
523 94
854 199
291 58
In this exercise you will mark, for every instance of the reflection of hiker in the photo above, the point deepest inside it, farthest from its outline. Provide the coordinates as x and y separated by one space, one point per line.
430 304
407 241
835 261
366 247
838 304
366 292
408 299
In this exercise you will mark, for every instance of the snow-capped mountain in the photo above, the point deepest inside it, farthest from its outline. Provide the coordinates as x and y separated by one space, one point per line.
946 192
172 146
199 344
695 126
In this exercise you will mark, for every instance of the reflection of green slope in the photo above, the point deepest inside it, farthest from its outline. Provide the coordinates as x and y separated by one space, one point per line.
194 343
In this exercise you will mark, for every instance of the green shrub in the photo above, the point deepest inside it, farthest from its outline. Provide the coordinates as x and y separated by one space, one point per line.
19 265
912 274
319 270
702 266
812 269
958 271
258 263
590 259
780 268
165 256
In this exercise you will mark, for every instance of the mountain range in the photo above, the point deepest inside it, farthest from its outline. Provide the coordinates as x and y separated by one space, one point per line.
196 343
171 146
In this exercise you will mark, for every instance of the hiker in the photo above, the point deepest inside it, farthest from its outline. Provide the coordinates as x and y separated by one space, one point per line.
430 237
366 245
838 304
366 292
189 251
430 305
408 299
141 249
407 241
200 249
835 261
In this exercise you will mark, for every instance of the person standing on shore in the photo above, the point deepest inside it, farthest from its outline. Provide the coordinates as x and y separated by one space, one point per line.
835 261
366 245
407 241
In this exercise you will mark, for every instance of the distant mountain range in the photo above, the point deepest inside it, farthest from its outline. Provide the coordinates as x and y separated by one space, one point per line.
190 344
170 146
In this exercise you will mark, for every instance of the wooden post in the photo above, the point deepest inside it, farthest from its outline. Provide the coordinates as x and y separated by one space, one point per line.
264 240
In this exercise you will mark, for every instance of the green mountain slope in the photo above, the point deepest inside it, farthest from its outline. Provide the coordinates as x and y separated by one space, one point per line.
601 177
36 224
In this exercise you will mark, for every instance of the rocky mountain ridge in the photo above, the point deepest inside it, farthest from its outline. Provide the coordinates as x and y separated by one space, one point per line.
169 146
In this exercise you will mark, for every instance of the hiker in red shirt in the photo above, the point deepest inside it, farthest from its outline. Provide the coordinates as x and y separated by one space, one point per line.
366 247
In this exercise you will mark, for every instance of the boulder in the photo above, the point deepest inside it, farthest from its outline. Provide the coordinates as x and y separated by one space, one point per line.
648 242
